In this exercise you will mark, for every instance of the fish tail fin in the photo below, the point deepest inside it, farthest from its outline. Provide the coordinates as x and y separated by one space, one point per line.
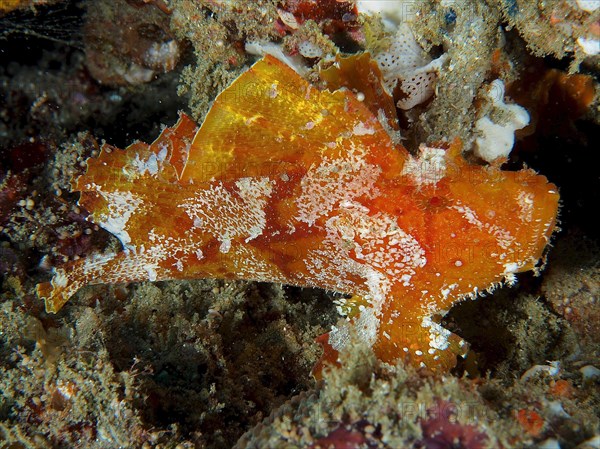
72 276
58 290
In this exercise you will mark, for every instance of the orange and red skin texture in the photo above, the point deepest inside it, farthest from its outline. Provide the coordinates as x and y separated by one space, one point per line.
253 131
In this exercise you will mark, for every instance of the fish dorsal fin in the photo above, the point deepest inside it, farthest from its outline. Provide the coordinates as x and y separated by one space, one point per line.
268 122
270 117
118 182
166 156
361 74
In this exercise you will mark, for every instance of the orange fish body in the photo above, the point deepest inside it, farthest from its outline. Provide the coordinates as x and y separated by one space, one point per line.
287 183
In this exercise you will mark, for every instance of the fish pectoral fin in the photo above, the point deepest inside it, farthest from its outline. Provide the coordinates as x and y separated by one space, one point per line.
422 342
351 306
442 351
418 340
